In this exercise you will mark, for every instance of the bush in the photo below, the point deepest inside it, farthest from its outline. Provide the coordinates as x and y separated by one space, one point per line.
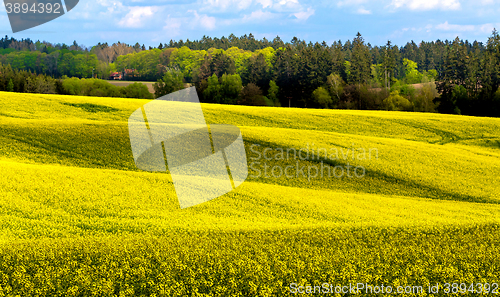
171 82
40 84
268 101
350 97
272 93
322 97
397 102
90 87
101 88
252 95
231 86
225 90
407 91
136 90
336 86
212 92
72 86
424 101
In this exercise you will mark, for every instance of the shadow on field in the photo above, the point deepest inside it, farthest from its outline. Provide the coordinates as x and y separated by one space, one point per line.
373 182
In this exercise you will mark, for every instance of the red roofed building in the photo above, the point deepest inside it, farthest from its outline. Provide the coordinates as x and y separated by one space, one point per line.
115 76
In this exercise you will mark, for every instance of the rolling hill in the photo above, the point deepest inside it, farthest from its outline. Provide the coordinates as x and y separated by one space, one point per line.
78 218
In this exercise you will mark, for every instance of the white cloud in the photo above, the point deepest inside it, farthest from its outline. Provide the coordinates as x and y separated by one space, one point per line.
357 6
204 20
265 3
285 2
427 4
99 10
457 28
85 11
222 5
484 28
361 10
137 15
258 15
207 22
244 4
488 28
172 27
350 3
304 15
217 6
111 6
398 33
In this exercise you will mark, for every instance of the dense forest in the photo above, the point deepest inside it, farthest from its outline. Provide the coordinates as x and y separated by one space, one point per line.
446 76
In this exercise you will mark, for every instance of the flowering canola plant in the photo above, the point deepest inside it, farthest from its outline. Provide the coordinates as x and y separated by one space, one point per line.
77 218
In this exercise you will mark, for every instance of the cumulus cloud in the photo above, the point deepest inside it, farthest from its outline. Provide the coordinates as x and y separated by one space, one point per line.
217 6
204 20
244 4
285 2
350 2
488 28
172 27
136 16
265 3
483 28
361 10
99 10
226 4
207 22
452 27
258 15
304 15
357 6
111 7
427 4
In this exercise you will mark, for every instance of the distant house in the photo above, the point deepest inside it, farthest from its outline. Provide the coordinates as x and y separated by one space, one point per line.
122 75
129 73
116 76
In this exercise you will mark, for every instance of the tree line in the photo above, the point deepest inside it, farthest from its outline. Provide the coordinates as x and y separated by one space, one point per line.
22 81
453 76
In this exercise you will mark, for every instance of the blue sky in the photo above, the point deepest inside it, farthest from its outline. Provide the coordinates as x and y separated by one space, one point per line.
150 22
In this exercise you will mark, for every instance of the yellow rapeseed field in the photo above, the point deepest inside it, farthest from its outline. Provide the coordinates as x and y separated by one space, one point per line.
77 218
